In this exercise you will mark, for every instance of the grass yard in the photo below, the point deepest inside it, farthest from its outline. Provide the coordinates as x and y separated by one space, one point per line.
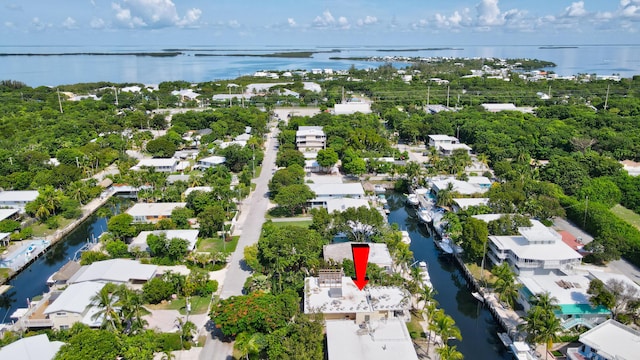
41 230
305 224
4 274
626 215
476 271
217 244
414 327
199 305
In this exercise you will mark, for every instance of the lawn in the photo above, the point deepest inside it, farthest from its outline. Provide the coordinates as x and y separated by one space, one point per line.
199 305
305 223
4 273
476 271
414 327
217 244
41 230
626 215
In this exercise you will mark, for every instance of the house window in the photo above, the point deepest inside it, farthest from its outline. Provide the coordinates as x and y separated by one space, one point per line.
61 314
64 327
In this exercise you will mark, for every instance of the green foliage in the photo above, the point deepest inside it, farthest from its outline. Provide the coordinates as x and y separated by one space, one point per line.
301 339
89 257
475 235
327 158
602 190
352 164
120 226
508 225
181 216
291 175
294 197
288 157
9 226
161 147
117 249
156 290
211 220
173 249
90 344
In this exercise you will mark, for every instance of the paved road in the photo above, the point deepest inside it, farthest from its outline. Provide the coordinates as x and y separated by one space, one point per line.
249 227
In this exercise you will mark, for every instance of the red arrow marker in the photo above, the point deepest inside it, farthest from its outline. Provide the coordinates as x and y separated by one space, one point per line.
360 260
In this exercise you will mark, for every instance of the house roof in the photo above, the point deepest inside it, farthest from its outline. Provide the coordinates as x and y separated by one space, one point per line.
337 189
488 217
309 130
75 298
570 240
215 160
556 250
158 162
36 347
378 253
567 289
606 276
66 271
140 241
197 188
439 137
7 213
499 107
18 195
464 203
173 178
114 270
459 186
344 203
377 340
613 340
154 209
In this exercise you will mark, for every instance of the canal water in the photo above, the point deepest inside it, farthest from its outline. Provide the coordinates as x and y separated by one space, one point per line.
32 281
479 329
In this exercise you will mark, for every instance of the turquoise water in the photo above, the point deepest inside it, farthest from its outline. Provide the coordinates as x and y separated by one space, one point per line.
581 309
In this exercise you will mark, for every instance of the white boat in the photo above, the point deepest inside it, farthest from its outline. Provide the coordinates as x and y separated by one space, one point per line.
379 189
449 247
424 215
382 199
405 237
412 199
478 296
422 265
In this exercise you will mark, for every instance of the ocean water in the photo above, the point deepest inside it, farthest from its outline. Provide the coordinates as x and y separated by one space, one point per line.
56 70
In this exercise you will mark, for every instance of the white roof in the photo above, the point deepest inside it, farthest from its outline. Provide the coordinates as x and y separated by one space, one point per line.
140 241
198 188
309 130
574 290
488 217
337 189
606 276
158 162
18 195
114 270
215 160
538 232
186 93
390 339
173 178
243 137
480 180
352 300
519 245
378 253
311 86
6 213
36 347
345 203
613 340
464 203
132 89
154 209
498 107
438 137
461 187
451 147
75 298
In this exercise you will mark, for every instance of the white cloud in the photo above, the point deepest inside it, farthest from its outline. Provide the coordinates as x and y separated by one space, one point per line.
37 24
456 21
324 20
69 23
234 24
368 20
576 9
153 14
97 23
489 13
630 9
291 22
9 24
343 22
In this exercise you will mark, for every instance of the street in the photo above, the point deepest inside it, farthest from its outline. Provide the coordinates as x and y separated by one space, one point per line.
249 227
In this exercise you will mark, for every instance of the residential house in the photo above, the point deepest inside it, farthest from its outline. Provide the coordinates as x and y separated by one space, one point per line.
538 250
74 305
371 340
5 238
337 297
140 242
37 347
352 106
438 140
186 95
17 199
310 138
610 340
343 204
378 254
158 164
118 271
570 291
631 167
475 185
189 190
325 192
153 212
464 203
211 161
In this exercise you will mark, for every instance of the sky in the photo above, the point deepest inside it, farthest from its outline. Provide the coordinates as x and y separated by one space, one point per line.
318 22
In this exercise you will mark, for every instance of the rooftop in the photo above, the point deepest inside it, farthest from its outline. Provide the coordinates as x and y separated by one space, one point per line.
140 241
216 160
451 147
613 340
154 209
378 340
75 298
309 130
18 195
538 232
439 137
345 203
461 187
337 189
464 203
36 347
568 289
519 245
158 162
7 213
378 253
114 270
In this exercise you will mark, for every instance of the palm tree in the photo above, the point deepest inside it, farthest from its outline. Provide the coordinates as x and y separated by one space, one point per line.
105 300
507 290
483 159
247 344
445 326
187 329
449 353
426 294
542 326
545 301
131 308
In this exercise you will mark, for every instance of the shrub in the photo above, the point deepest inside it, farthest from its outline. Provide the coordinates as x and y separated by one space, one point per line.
156 290
52 222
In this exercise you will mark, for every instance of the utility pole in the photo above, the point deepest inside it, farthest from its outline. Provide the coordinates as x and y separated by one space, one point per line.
115 90
253 163
448 88
586 206
606 99
428 93
549 92
77 163
59 101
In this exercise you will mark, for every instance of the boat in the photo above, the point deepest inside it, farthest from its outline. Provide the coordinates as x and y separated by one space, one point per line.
478 296
405 237
412 199
448 246
424 215
379 189
382 199
522 351
424 273
505 339
422 265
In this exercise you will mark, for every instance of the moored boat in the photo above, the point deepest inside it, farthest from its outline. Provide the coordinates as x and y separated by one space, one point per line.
424 215
412 199
405 237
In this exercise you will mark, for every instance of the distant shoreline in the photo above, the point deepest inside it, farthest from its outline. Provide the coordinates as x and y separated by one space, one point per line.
557 47
420 49
288 54
151 54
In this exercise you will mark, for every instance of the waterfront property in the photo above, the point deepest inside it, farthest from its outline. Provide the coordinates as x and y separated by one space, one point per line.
310 138
24 255
159 164
344 204
72 305
538 250
378 254
325 192
337 297
370 340
153 212
118 271
610 340
211 161
570 291
36 347
475 185
17 199
465 203
140 242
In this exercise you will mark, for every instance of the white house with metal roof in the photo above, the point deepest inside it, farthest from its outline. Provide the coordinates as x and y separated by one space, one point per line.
310 138
343 204
140 242
610 340
8 213
36 347
74 305
378 254
538 250
478 186
158 164
118 271
211 161
17 199
153 212
331 191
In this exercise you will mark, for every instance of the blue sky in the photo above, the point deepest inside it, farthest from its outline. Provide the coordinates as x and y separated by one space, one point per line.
316 22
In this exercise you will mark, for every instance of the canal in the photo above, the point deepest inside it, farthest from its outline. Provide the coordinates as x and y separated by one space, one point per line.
479 329
32 281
